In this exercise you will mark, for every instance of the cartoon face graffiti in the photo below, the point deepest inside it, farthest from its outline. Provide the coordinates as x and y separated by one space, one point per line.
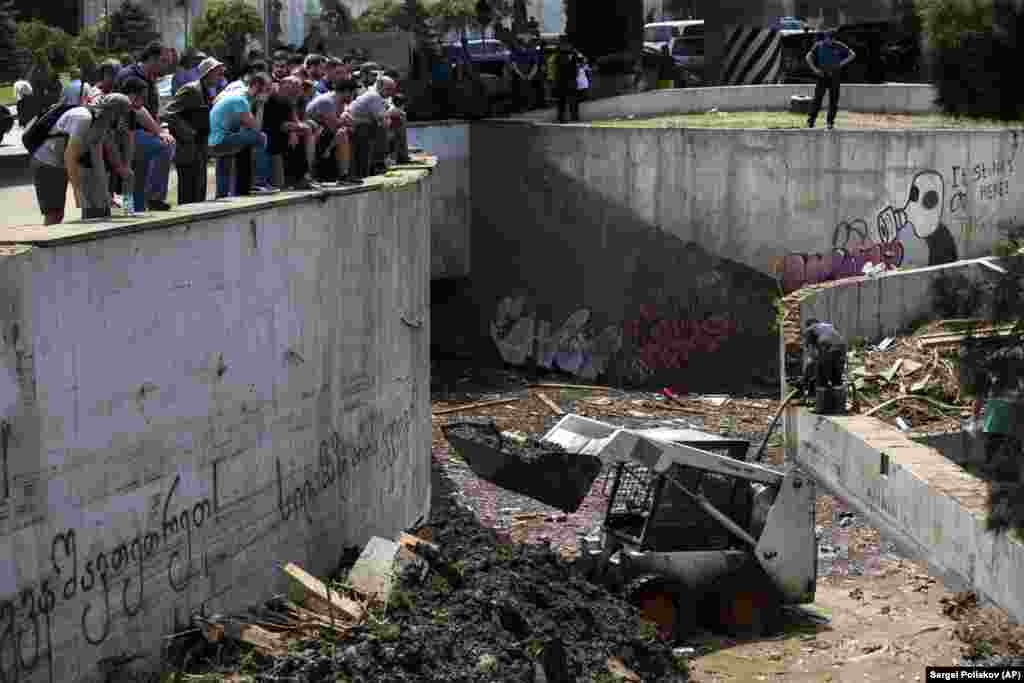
924 203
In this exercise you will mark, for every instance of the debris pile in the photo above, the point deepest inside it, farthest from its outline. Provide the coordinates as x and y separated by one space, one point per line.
461 606
988 635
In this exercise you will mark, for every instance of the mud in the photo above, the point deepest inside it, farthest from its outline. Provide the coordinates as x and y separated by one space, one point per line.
487 611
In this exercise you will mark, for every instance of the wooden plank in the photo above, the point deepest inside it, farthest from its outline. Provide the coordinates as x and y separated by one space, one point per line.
317 596
549 403
550 385
412 542
473 406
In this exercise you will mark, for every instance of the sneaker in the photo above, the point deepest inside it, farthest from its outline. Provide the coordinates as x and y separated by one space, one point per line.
831 126
263 189
157 205
810 124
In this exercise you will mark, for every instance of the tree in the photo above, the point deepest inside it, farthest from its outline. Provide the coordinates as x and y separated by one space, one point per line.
131 28
975 52
380 15
225 26
49 47
946 22
8 39
338 16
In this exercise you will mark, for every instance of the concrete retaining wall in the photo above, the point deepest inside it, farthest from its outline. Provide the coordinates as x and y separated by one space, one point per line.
449 142
915 496
878 307
193 405
890 98
780 201
605 221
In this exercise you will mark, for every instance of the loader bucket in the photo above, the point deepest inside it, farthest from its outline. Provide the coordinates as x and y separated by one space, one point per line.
538 470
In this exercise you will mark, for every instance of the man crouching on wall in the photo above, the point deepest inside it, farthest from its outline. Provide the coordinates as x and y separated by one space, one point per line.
372 117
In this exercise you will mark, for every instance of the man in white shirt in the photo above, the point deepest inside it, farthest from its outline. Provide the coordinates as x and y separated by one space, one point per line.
372 116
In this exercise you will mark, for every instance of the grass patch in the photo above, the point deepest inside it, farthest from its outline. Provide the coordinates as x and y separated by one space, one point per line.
7 97
786 120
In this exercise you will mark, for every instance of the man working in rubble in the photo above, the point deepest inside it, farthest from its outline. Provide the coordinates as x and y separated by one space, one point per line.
825 356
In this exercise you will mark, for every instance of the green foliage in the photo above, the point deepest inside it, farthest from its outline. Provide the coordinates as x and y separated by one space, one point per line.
49 47
975 52
224 28
131 28
380 15
337 15
946 22
8 39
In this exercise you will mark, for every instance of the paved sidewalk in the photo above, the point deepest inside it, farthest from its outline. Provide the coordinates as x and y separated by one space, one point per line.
18 206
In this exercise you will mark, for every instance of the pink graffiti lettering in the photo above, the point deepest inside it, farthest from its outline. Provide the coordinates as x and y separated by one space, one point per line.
666 344
801 270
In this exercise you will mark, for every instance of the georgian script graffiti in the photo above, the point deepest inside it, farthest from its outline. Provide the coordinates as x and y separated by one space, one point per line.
335 460
110 579
114 581
899 230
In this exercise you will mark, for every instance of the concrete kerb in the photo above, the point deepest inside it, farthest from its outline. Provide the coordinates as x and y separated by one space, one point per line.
927 504
890 98
85 230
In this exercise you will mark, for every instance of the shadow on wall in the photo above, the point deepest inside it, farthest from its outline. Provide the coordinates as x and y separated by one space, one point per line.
897 233
573 280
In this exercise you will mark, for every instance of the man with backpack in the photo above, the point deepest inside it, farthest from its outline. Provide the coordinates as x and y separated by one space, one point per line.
827 58
65 145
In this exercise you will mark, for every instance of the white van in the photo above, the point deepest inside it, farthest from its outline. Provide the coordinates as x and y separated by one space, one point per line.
661 33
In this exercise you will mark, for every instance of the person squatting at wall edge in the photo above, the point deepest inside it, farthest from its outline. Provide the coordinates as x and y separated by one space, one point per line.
372 116
824 356
330 114
73 152
234 131
154 146
827 57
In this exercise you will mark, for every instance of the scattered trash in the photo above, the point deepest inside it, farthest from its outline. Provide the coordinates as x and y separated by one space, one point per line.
473 406
885 343
902 424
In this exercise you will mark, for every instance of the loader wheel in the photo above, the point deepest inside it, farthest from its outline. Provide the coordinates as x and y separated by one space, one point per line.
663 603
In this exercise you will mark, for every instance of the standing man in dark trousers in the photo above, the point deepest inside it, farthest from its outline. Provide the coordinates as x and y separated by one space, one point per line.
188 119
567 64
827 59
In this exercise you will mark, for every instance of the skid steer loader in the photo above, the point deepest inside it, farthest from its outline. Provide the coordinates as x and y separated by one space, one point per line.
694 537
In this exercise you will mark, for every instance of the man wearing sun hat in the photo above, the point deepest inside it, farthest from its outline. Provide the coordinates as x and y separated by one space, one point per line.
188 117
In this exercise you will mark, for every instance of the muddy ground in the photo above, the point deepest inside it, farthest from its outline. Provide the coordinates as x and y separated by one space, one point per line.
502 603
877 615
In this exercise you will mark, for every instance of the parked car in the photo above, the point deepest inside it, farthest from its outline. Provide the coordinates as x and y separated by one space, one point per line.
662 33
788 26
489 54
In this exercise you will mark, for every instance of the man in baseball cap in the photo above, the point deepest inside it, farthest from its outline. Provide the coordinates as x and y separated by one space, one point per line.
188 117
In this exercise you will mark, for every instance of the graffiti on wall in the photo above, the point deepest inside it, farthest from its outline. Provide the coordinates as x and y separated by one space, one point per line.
975 188
576 346
913 233
112 581
657 340
668 342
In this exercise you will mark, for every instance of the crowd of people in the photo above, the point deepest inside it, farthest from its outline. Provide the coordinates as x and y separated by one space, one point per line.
299 122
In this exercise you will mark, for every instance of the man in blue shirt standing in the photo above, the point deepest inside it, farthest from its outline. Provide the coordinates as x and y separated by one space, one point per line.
827 59
234 129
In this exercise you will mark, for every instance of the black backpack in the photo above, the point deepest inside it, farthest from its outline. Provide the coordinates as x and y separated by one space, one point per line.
39 131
